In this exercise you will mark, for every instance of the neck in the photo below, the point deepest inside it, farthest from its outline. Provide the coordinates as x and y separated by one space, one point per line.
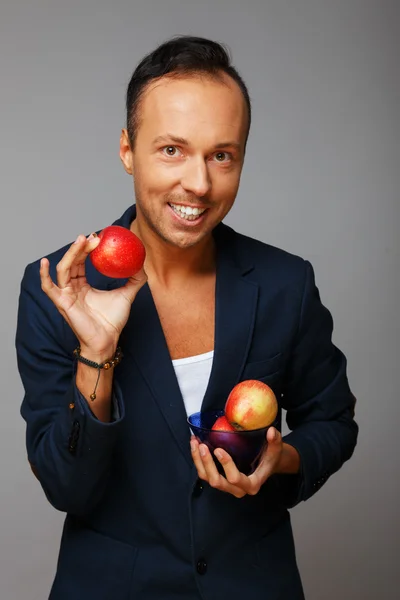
169 264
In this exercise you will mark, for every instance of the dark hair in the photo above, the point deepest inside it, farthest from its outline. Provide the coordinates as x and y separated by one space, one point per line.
181 55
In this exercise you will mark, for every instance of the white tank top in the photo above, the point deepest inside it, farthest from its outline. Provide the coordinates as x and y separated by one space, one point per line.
193 374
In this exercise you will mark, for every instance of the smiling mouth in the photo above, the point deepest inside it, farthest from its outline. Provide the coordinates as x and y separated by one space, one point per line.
187 213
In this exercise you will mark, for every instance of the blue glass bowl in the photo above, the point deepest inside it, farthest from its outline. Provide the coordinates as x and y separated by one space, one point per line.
245 447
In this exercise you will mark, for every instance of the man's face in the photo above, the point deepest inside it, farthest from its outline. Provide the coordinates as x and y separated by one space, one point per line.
188 156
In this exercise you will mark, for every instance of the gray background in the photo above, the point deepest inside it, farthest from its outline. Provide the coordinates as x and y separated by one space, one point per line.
321 179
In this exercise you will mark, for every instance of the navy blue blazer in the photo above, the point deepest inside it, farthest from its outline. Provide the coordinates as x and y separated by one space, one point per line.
139 523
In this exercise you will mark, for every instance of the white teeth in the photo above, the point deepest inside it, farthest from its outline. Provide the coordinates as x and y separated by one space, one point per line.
187 212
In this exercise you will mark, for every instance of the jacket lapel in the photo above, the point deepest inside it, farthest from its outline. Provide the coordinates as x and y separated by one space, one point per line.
143 338
144 341
235 311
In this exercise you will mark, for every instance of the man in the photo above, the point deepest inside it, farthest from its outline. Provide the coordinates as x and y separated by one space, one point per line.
149 515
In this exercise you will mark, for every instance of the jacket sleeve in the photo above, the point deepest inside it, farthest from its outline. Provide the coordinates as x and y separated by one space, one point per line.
317 398
70 451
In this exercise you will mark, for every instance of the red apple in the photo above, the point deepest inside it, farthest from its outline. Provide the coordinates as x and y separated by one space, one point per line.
251 405
222 424
120 253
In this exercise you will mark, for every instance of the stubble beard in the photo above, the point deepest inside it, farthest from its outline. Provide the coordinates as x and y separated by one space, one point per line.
156 225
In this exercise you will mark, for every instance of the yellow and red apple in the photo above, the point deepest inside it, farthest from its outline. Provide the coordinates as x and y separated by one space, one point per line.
251 405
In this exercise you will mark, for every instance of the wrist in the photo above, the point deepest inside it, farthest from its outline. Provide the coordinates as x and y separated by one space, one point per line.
104 365
97 355
86 382
289 462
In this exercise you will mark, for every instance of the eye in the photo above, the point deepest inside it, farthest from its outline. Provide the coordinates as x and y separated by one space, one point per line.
170 151
222 156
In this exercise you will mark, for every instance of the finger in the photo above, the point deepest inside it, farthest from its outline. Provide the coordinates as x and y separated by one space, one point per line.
251 484
272 435
269 457
78 269
212 475
77 272
63 268
194 447
133 285
47 284
232 473
215 479
75 255
274 443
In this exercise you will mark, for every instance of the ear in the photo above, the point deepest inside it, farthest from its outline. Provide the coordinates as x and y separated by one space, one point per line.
125 152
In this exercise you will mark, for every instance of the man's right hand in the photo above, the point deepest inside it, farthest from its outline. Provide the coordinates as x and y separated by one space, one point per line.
97 317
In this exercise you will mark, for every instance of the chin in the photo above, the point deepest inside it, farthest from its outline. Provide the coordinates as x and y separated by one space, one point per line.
171 233
184 241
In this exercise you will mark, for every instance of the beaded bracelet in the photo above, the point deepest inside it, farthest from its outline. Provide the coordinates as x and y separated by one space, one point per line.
108 364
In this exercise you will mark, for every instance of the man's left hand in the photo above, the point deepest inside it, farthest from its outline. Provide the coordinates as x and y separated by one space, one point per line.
278 457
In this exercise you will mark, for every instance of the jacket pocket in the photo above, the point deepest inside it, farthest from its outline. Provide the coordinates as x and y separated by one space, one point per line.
263 369
92 565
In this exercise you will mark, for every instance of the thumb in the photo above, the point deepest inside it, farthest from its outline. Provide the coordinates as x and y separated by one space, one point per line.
92 241
273 437
134 284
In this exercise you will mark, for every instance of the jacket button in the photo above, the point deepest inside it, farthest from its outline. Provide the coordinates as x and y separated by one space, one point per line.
198 488
201 566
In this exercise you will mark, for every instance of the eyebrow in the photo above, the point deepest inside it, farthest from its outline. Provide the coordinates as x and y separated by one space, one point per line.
183 142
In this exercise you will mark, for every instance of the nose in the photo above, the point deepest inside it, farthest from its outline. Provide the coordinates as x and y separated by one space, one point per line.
196 178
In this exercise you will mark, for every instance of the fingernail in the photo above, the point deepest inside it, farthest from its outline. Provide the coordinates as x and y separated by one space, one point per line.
218 454
92 236
202 451
192 445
